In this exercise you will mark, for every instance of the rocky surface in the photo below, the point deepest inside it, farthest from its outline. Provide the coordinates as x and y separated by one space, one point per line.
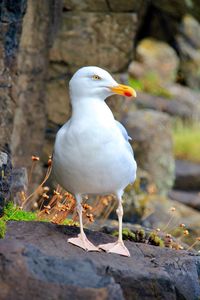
19 184
183 103
12 13
5 179
189 48
151 53
147 128
30 116
182 8
191 199
154 211
54 269
187 175
69 42
157 214
104 5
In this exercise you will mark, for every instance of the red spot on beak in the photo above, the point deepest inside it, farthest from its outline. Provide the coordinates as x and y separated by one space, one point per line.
128 94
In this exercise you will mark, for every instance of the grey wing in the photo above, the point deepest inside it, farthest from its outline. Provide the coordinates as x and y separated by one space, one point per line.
125 135
123 131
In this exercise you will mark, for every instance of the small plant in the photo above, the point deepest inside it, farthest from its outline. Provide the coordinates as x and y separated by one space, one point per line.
155 240
14 213
186 139
127 234
2 228
140 236
150 83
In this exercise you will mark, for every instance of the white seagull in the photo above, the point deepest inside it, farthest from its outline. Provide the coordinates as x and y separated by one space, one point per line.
92 154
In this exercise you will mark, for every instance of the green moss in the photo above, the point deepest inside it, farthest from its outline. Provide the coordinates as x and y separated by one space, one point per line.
155 240
186 139
140 235
2 228
70 222
150 83
127 234
136 84
13 213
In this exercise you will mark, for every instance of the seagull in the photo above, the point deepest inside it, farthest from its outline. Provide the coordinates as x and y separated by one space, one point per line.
92 153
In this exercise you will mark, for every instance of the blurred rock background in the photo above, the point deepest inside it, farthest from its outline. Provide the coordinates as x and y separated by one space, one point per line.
153 46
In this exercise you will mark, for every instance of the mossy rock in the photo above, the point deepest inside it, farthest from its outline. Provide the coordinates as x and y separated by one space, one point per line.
2 228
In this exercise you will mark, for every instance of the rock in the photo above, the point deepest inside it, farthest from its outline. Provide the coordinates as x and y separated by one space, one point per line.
100 31
191 199
167 7
151 53
58 102
30 117
156 213
104 6
85 5
127 6
184 103
189 48
187 98
187 175
5 179
12 13
53 268
161 104
153 153
195 9
19 183
58 107
191 30
136 70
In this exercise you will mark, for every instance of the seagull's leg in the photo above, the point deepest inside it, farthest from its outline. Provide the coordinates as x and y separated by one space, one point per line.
117 247
82 241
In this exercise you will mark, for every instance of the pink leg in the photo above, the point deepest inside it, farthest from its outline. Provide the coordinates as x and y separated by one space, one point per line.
82 241
117 247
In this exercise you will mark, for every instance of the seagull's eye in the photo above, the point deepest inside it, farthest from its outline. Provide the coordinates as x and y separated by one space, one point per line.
96 77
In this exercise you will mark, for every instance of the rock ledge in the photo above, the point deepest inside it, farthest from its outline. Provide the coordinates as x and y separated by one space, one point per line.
37 262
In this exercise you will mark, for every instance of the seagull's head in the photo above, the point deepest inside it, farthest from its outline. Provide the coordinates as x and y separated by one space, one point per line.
94 82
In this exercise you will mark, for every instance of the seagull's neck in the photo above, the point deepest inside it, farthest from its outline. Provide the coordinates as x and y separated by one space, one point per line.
90 108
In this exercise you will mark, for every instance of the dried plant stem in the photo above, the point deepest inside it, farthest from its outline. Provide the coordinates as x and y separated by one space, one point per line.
190 247
31 172
36 190
108 211
168 223
147 214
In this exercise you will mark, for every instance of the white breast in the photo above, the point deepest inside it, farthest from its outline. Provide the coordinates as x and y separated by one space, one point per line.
91 155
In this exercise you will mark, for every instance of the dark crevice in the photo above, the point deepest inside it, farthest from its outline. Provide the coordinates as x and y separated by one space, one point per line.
159 25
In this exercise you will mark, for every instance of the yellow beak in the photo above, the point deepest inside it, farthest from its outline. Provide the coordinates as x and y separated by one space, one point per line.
124 90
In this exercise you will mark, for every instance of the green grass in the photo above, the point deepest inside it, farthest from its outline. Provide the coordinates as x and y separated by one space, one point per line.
69 222
140 236
2 228
15 214
187 141
155 240
150 84
126 233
